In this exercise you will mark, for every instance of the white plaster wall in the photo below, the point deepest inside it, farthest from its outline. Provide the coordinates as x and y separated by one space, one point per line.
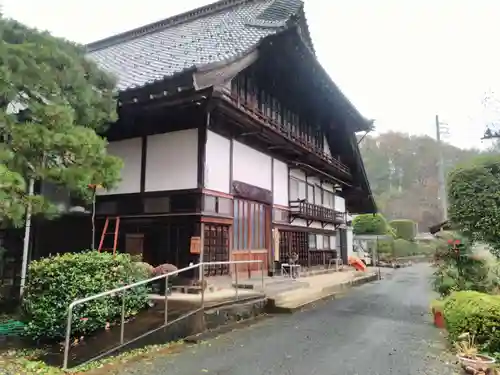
299 222
172 161
251 166
280 183
130 151
217 162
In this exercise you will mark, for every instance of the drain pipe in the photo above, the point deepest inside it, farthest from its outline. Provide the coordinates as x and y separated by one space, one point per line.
27 236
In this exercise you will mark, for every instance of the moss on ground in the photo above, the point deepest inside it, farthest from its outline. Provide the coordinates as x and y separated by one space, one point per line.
27 362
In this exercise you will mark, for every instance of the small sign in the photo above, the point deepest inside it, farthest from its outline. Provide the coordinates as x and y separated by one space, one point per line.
195 247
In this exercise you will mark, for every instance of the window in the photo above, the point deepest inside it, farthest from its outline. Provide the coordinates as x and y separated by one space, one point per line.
297 189
326 242
156 205
294 189
225 206
217 205
280 215
333 242
249 226
318 199
312 241
310 193
328 199
209 203
319 241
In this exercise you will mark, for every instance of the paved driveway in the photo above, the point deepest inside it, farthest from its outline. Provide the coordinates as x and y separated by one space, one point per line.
377 329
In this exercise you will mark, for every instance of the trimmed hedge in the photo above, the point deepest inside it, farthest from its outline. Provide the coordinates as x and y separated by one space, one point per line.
404 229
54 282
370 224
476 313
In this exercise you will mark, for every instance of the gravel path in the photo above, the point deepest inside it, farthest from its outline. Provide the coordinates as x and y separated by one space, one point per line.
376 329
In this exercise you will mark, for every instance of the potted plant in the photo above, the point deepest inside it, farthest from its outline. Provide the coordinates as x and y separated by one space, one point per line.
437 307
468 356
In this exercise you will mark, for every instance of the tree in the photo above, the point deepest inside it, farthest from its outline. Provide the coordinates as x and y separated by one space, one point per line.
53 102
491 104
474 202
402 170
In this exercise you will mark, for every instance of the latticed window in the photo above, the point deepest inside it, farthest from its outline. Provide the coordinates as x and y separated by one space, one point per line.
250 225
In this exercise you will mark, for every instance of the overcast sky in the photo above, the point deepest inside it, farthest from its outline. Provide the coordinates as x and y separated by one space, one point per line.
400 62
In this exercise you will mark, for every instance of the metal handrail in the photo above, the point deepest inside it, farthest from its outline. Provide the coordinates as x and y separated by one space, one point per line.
166 323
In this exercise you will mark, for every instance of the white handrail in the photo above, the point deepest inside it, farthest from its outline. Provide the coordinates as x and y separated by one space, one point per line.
124 288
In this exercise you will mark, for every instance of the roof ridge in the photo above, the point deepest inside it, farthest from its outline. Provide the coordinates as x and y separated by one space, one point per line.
165 23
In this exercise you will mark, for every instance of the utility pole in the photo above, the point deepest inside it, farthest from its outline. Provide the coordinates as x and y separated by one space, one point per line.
441 177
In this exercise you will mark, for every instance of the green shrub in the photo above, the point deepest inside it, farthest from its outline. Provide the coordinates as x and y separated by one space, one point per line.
404 248
370 224
385 246
53 283
426 248
466 270
476 313
473 199
404 229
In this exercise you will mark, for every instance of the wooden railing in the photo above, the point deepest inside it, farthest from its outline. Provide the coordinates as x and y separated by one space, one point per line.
286 131
312 211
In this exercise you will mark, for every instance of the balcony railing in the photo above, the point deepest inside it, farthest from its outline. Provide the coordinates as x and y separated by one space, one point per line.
310 211
286 131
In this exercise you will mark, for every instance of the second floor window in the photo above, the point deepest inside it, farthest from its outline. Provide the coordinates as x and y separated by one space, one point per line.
310 193
297 189
328 199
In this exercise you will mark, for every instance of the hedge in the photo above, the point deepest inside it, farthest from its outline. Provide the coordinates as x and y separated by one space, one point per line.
54 282
370 224
404 229
476 313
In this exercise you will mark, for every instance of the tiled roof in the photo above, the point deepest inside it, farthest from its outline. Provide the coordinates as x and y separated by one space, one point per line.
214 33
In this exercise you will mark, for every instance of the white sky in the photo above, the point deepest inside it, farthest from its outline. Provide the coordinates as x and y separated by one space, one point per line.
399 61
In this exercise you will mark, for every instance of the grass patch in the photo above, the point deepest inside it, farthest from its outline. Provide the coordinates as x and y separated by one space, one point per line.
26 362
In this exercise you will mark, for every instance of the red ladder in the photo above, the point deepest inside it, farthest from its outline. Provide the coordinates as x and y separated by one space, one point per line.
106 233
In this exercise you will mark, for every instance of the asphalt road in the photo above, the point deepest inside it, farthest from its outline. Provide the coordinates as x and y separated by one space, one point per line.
376 329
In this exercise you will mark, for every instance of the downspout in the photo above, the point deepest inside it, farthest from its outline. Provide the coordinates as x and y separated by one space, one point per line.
27 235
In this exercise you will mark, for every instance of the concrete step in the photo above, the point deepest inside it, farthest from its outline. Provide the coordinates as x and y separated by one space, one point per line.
292 301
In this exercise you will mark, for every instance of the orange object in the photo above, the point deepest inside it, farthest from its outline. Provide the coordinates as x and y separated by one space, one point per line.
114 233
438 319
357 263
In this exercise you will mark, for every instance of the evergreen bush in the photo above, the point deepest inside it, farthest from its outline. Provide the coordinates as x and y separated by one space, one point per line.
404 229
54 282
476 313
374 224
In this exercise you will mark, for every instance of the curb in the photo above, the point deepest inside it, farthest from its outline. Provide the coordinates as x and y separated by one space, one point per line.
329 293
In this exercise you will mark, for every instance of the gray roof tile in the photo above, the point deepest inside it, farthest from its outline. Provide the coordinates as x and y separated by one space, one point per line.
218 32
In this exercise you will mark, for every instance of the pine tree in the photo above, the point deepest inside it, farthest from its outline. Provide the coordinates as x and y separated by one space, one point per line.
53 104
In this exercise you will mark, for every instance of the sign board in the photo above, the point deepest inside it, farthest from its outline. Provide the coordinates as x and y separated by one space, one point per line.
195 247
